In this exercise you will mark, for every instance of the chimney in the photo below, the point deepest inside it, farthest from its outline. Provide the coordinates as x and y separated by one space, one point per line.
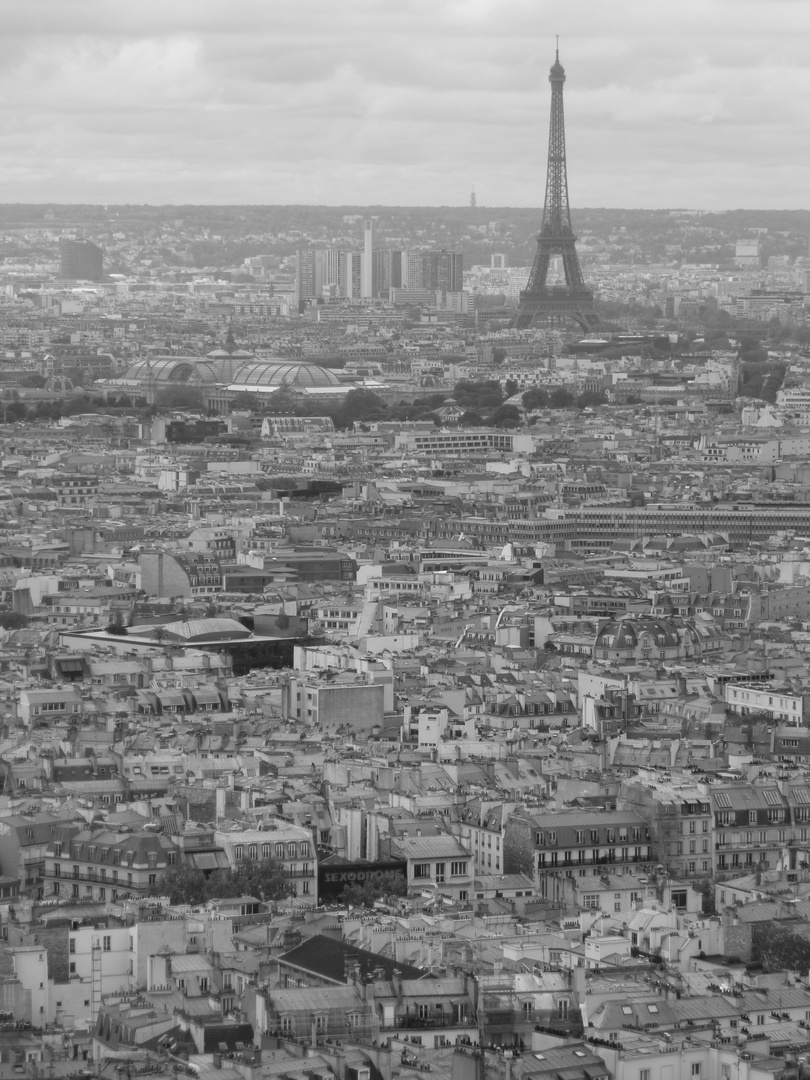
340 1063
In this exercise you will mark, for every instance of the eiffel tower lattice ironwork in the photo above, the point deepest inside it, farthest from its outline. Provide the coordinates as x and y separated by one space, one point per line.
574 299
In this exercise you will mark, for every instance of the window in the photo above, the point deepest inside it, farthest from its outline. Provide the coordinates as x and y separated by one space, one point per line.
291 848
203 984
458 869
644 1074
72 945
253 851
695 1068
591 901
239 852
421 870
279 851
107 943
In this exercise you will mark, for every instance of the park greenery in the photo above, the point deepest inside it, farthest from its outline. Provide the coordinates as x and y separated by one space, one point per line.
377 886
264 879
779 948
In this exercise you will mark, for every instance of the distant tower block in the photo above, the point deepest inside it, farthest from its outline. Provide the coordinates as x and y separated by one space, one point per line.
572 300
497 262
368 260
472 197
80 260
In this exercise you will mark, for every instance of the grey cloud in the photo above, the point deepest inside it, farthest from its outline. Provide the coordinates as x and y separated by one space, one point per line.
381 103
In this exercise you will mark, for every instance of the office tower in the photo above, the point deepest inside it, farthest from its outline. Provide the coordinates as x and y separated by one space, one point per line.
433 270
368 269
80 260
327 271
305 275
556 237
351 274
386 271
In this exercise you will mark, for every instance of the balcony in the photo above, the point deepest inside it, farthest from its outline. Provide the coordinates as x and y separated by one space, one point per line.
427 1023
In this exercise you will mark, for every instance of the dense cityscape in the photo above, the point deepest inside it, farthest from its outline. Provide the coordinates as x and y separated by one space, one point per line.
404 634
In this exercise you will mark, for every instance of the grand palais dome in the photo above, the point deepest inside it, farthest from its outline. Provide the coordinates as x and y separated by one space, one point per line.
293 373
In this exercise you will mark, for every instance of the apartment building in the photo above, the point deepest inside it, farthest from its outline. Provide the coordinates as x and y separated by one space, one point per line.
98 862
680 821
573 843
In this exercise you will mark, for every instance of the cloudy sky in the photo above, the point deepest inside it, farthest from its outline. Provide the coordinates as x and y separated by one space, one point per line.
696 103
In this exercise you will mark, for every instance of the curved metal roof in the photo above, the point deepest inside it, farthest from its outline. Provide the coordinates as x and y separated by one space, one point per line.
285 373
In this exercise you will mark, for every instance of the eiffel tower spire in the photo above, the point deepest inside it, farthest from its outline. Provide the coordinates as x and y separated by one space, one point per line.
556 237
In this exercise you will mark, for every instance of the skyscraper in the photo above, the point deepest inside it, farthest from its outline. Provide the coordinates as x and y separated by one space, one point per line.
305 275
80 260
367 286
386 271
434 270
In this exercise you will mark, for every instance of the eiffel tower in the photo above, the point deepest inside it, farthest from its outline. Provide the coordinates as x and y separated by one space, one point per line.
539 300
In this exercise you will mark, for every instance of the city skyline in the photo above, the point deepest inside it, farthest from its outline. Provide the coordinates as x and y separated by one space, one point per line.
413 105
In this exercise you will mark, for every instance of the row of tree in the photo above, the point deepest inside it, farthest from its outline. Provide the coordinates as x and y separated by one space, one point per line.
266 880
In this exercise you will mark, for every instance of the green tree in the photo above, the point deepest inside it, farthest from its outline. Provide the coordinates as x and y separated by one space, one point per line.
13 620
511 388
265 879
705 886
478 395
505 416
561 398
183 885
359 405
590 399
777 949
536 398
471 418
377 886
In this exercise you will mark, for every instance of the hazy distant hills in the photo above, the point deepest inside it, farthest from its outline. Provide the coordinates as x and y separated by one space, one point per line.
605 233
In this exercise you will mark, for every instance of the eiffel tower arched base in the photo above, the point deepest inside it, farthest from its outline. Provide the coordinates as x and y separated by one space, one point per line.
578 309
